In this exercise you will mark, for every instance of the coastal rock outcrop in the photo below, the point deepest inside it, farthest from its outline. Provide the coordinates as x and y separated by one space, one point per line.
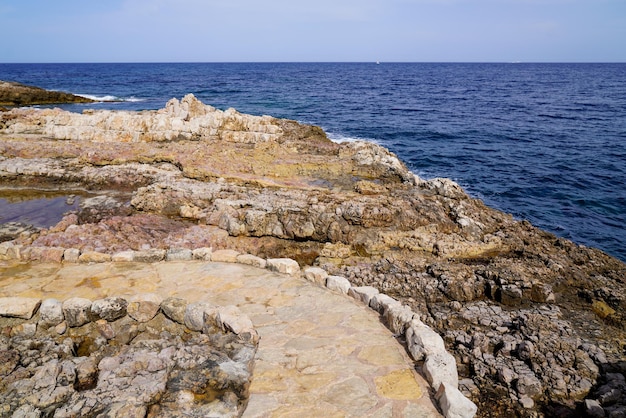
16 94
536 323
111 364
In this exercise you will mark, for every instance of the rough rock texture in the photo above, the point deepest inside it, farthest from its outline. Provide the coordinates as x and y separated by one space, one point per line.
16 94
118 367
536 323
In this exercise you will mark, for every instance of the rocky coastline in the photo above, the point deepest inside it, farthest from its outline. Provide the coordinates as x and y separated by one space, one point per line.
16 94
536 323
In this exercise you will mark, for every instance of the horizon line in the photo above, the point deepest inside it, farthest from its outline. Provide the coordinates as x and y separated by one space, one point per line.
312 62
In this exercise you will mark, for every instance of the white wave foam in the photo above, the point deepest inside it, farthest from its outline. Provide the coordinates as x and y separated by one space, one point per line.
110 98
340 138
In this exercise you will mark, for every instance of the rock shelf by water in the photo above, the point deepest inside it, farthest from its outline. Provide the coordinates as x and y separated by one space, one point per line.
536 323
16 94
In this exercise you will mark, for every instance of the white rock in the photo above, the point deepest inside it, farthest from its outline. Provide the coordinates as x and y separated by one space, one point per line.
380 302
316 275
203 253
441 368
230 318
338 284
178 254
195 314
51 312
284 265
124 256
251 260
397 317
453 404
422 341
363 293
71 255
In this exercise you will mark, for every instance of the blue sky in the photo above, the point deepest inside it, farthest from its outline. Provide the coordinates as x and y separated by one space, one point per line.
312 30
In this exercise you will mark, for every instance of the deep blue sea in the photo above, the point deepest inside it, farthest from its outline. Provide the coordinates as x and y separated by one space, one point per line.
546 142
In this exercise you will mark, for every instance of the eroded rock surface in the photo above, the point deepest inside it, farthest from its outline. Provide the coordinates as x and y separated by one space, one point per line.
16 94
118 367
535 322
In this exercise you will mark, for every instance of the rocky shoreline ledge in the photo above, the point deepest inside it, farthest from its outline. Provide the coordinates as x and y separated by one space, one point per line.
16 94
124 358
536 323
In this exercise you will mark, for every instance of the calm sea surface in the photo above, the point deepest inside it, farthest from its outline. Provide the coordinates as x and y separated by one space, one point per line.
546 142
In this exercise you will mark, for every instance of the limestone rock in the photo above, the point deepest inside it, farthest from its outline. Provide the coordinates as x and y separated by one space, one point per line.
144 307
397 317
110 308
19 307
203 254
51 312
77 311
94 257
123 256
71 255
195 315
441 368
453 404
224 256
230 318
363 293
178 254
284 265
338 284
422 341
174 309
316 275
149 256
252 260
382 302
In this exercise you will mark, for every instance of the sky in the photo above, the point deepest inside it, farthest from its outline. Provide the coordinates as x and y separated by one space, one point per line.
313 30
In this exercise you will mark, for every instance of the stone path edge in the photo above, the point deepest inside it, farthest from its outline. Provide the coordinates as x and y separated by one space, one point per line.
423 343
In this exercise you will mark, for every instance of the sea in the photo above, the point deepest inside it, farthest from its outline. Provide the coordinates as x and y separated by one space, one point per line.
545 142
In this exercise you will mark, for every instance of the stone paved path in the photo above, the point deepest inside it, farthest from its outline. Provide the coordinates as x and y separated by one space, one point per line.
320 353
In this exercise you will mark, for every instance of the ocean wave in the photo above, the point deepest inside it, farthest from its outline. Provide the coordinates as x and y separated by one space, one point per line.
341 138
110 98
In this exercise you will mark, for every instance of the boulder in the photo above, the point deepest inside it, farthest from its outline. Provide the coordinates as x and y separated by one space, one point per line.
144 307
453 404
203 254
338 284
397 317
363 293
441 368
174 309
51 313
178 254
77 311
382 302
251 260
422 341
196 314
149 256
316 275
109 309
284 265
123 256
